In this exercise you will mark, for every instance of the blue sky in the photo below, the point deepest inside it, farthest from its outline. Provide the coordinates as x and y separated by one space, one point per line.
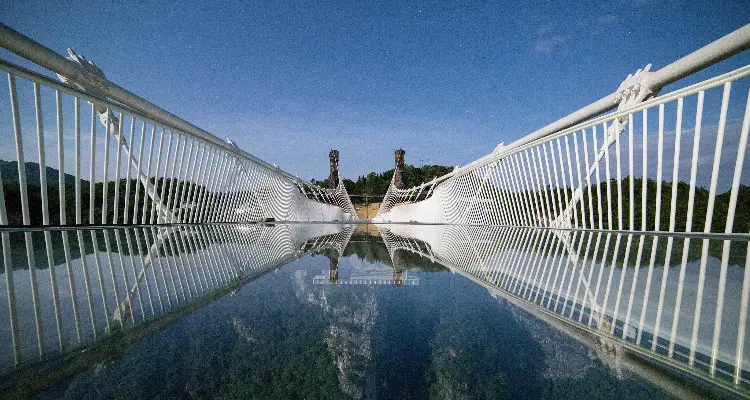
289 81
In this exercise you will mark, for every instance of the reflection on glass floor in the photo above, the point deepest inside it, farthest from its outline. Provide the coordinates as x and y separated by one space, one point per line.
395 272
131 279
679 301
665 308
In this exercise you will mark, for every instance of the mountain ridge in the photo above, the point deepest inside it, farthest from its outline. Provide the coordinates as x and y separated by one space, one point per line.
9 171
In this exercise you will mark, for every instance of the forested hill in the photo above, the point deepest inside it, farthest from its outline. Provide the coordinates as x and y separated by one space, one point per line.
9 171
374 184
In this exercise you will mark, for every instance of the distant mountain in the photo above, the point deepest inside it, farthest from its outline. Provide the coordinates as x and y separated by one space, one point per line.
9 170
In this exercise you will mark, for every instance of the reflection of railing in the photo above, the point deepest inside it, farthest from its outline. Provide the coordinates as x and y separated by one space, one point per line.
673 312
607 173
385 278
181 174
335 242
130 276
375 274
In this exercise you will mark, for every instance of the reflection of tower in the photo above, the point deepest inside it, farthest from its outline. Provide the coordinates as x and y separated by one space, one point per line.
333 178
398 268
398 276
398 177
333 272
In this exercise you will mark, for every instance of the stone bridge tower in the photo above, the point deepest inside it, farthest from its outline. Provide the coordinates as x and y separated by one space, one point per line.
333 178
398 179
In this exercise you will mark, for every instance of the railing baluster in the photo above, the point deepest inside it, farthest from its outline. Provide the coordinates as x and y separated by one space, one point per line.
174 178
118 167
105 180
182 185
125 218
9 281
741 326
670 239
138 172
708 224
189 201
25 213
146 179
92 166
221 194
159 152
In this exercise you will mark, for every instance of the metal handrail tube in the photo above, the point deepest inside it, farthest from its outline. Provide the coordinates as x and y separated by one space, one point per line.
459 189
29 49
335 197
716 51
288 204
510 149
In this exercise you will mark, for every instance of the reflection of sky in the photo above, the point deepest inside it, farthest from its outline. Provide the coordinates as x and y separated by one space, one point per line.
356 266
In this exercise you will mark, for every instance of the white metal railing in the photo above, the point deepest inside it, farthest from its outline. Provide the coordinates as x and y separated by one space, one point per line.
141 166
100 281
639 297
610 172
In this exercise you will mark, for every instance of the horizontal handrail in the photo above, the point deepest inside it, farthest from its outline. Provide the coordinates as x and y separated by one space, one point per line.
508 150
31 50
208 179
619 171
706 56
716 51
